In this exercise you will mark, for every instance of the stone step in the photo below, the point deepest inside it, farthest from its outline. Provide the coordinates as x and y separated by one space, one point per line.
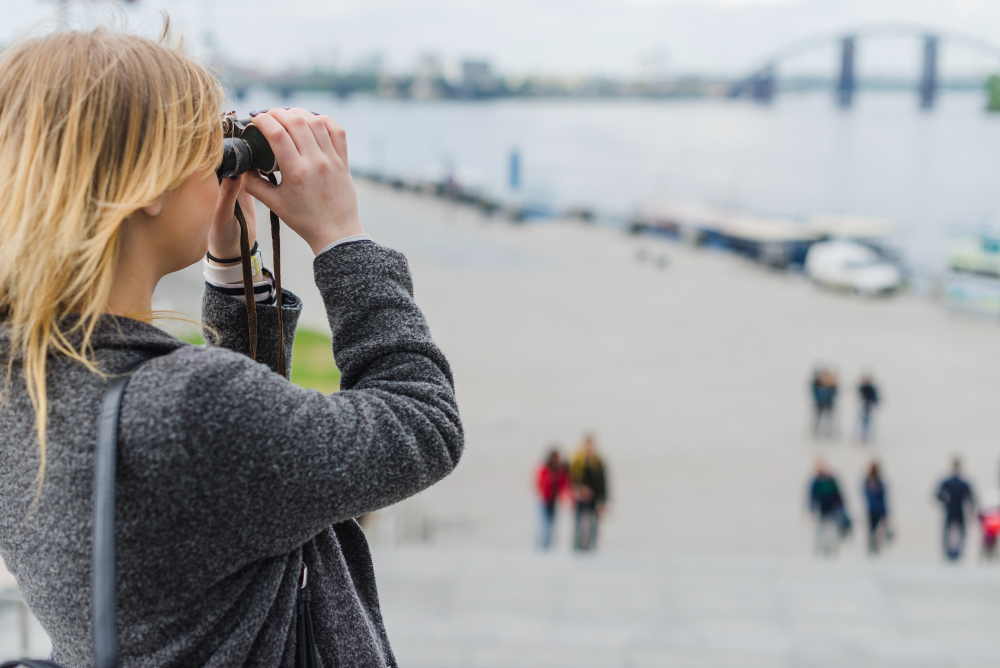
491 608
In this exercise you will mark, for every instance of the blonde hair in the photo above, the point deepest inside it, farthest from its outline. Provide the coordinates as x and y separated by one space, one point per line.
95 125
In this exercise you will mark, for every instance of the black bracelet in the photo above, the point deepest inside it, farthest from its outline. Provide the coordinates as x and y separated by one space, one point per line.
235 259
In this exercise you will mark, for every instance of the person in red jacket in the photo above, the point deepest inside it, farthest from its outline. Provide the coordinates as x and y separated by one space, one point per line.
552 481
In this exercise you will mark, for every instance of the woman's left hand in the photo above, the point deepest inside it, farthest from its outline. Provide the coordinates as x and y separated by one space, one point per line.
224 236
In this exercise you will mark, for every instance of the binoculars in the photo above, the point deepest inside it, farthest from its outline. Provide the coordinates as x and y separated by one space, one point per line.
244 148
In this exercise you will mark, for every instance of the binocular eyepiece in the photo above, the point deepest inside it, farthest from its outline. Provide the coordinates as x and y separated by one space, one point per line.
244 148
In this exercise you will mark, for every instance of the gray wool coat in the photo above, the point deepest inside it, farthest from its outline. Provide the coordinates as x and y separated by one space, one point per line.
230 478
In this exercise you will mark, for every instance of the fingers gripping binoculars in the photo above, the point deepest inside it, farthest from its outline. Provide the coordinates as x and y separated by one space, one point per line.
244 148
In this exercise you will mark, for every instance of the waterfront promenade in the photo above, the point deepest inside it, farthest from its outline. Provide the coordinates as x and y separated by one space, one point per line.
693 374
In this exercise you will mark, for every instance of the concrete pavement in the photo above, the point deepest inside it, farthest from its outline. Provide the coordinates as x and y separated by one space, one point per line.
693 373
476 608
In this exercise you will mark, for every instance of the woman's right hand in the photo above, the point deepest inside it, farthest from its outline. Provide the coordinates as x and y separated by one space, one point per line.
316 196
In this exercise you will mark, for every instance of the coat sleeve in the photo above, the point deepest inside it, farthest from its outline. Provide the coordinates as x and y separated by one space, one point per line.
273 464
224 325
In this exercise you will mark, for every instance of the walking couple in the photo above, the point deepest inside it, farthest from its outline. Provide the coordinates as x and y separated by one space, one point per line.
833 522
583 482
824 388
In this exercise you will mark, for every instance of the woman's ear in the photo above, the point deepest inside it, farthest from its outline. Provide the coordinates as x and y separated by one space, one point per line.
154 208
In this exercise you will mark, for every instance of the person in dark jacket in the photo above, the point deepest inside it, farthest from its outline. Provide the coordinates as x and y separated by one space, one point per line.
869 398
231 481
957 500
878 510
552 482
824 388
817 395
590 489
827 505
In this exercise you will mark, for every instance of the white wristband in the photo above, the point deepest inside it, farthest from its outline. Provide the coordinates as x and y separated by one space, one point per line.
234 272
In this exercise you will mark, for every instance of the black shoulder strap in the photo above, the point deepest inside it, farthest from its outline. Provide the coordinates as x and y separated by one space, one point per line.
102 567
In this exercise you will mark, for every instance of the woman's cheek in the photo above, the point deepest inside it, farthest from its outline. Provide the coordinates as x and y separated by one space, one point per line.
201 220
210 200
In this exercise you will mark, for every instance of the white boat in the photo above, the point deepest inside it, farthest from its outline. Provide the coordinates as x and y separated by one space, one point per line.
848 265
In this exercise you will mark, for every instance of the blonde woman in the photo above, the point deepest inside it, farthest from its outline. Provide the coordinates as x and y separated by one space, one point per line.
230 478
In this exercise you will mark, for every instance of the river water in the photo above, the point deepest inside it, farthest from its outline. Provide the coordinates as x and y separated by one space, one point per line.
928 171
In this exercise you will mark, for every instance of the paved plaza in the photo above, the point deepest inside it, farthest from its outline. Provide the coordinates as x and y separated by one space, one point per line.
691 367
693 376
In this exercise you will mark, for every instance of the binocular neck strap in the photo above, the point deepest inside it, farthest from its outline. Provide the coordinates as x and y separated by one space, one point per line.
248 281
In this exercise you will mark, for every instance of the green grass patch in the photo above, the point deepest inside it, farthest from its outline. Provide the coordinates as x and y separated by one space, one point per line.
312 359
312 362
193 337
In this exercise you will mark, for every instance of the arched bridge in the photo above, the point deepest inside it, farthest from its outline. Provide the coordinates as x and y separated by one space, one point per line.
761 86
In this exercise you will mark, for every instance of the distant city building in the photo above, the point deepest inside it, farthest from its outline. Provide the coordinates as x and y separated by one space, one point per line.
476 73
428 78
478 79
429 66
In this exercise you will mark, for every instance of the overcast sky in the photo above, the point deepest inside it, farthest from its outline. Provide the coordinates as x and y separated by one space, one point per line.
618 37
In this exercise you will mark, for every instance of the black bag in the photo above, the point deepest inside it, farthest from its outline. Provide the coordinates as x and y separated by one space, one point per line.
102 576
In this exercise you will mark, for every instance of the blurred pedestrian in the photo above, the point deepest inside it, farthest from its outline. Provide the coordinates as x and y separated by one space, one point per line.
869 396
552 481
989 523
955 495
827 505
878 510
816 390
824 392
590 489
